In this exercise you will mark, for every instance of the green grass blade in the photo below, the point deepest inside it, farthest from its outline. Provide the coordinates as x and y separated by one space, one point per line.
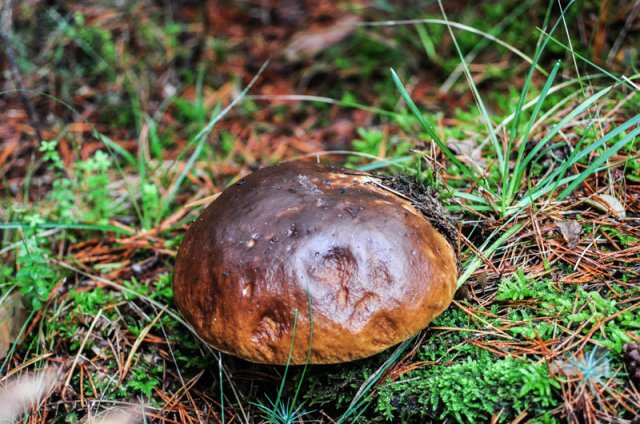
306 362
131 159
400 162
486 250
617 79
541 98
504 23
510 184
608 136
532 196
470 196
286 368
599 160
555 179
405 95
553 109
563 122
143 209
65 226
476 95
360 401
462 27
542 43
518 171
200 138
513 133
427 43
326 100
550 183
428 128
175 186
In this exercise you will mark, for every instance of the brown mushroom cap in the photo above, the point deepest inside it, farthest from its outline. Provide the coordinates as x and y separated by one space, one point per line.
374 269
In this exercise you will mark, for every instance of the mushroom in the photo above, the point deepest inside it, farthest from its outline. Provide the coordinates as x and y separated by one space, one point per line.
301 262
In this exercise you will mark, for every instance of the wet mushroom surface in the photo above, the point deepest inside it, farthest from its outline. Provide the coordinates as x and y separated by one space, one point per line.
302 252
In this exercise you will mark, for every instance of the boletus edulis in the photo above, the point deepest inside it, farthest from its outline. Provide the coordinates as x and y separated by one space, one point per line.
301 251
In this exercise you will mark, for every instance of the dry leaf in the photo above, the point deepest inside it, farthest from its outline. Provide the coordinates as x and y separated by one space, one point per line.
130 415
12 317
611 204
467 151
571 231
307 44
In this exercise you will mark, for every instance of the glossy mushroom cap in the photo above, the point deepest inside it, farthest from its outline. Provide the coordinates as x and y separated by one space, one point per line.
372 267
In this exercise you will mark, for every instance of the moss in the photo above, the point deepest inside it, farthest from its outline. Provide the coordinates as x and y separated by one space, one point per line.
473 390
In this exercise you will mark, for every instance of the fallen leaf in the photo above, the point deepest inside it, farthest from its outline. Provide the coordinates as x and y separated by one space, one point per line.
307 44
12 317
607 203
129 415
571 231
467 151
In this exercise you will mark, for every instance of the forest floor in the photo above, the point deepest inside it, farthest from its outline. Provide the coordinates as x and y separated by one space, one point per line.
122 120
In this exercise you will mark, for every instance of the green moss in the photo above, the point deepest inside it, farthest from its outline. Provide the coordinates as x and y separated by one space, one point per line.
470 391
